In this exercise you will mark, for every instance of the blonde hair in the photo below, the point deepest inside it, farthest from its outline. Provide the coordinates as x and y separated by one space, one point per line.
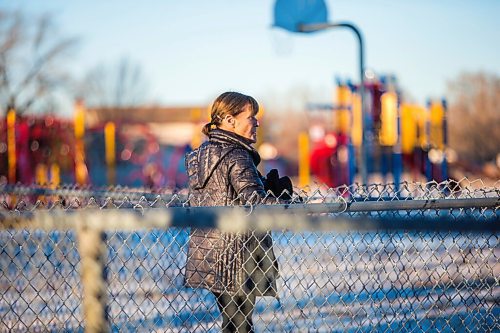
229 103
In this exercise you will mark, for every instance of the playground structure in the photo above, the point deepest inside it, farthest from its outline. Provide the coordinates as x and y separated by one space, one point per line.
145 148
140 147
88 150
404 141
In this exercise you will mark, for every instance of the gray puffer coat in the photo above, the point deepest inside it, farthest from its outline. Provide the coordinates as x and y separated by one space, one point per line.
222 172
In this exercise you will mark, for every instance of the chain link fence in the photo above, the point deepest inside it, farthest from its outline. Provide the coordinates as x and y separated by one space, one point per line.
406 257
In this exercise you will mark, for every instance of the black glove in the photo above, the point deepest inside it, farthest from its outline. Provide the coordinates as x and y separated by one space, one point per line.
278 185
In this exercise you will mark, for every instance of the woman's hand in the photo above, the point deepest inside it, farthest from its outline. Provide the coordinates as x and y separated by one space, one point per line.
281 187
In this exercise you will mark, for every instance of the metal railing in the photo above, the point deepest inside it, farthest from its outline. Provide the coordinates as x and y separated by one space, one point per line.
412 257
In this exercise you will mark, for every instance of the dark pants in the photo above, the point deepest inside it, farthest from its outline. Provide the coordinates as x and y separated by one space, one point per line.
236 312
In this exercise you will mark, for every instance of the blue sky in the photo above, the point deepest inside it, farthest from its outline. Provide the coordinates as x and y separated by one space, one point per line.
192 50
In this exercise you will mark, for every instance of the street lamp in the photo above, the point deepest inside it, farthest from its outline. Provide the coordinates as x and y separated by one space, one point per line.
310 16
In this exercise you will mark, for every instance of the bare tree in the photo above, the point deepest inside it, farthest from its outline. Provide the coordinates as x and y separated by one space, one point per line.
120 85
474 116
31 61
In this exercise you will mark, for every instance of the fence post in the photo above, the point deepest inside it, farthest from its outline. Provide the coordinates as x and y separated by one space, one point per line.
92 249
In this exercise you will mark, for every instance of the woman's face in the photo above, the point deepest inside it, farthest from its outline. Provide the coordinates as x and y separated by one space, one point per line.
245 124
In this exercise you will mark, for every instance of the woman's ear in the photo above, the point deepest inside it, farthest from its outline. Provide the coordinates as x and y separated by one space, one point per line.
231 122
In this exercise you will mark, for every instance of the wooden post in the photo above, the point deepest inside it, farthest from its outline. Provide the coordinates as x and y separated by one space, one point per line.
92 250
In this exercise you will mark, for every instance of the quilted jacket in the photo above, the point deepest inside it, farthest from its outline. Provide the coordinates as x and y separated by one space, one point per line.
223 172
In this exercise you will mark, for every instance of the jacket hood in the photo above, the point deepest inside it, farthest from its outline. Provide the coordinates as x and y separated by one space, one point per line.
202 162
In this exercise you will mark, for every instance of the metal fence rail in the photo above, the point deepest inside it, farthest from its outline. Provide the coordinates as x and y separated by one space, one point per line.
422 258
24 198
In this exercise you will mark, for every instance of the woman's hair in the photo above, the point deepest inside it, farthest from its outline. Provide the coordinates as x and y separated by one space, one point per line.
229 103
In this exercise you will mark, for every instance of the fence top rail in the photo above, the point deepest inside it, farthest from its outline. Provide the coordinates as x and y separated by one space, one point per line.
295 217
28 198
340 206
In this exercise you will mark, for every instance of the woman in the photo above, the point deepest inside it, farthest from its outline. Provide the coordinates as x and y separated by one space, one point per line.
236 267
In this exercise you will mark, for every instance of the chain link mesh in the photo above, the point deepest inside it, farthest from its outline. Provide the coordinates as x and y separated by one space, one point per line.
393 280
40 286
